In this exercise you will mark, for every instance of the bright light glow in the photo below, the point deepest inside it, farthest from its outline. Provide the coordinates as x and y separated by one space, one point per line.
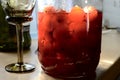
86 1
86 9
107 61
76 6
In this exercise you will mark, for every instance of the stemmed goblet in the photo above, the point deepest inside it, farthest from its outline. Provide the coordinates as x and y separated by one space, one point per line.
19 12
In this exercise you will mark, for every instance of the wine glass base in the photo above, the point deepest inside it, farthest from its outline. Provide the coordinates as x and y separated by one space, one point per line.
20 68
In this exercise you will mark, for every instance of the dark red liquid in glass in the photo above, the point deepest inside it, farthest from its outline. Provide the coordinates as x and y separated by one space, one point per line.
66 48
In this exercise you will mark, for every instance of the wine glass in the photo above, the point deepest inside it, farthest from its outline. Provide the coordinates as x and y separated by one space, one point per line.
19 12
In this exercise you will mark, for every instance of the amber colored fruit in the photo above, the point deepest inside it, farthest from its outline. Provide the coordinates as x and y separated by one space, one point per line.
77 14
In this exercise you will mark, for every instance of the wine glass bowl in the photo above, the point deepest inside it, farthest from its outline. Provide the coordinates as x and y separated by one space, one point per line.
18 8
19 12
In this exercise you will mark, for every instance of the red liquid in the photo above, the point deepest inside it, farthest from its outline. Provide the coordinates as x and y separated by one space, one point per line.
66 48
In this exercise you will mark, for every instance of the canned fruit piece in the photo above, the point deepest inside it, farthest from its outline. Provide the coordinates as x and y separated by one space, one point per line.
77 14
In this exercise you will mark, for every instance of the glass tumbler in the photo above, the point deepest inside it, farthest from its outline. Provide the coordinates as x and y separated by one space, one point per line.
69 37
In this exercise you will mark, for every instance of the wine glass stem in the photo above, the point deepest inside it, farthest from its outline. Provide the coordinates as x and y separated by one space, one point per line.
19 33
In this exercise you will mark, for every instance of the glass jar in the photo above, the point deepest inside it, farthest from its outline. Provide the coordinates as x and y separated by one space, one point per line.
69 37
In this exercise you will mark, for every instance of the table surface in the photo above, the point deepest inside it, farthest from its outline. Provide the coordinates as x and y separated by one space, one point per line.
110 53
